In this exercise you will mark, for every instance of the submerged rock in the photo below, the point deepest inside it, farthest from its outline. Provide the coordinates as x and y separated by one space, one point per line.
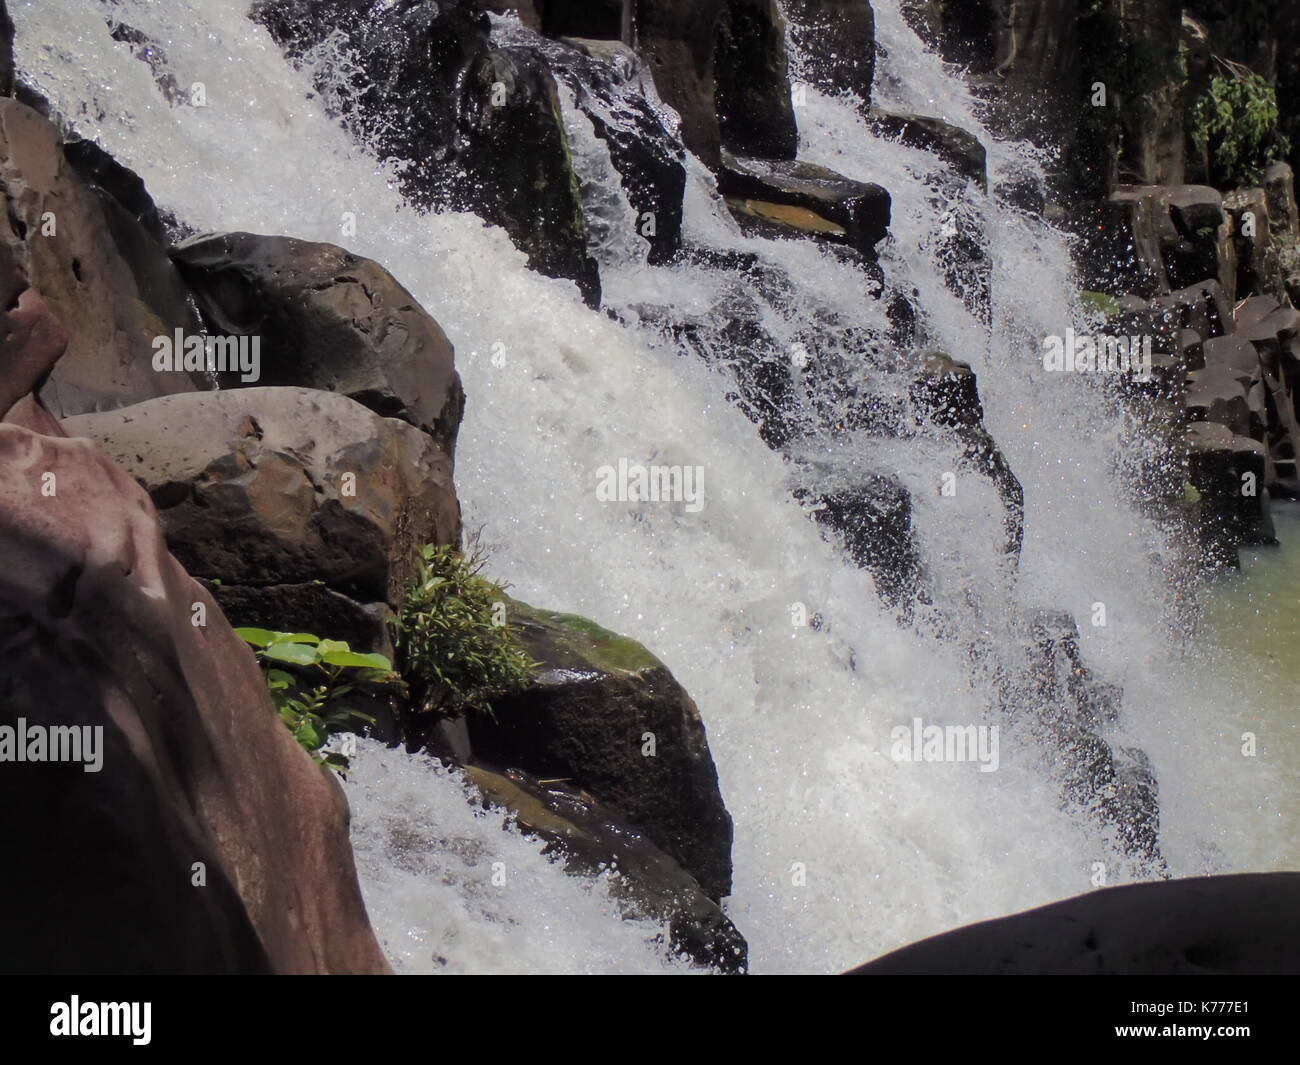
594 841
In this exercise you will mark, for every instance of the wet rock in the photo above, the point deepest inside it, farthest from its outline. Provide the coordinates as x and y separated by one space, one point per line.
959 148
837 39
1229 472
199 778
721 65
606 716
331 320
102 272
1217 925
608 20
874 519
281 486
613 88
479 125
808 198
593 840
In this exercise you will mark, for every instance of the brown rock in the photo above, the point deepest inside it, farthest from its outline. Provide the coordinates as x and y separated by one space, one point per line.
96 625
101 273
332 320
252 490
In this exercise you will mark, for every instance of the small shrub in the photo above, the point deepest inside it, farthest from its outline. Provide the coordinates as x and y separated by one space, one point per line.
455 650
1236 123
319 674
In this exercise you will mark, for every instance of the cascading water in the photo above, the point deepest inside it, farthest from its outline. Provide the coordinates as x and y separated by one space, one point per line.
841 853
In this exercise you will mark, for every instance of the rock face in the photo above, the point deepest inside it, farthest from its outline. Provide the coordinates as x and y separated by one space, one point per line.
277 486
97 623
607 717
330 320
1215 925
838 40
480 124
103 274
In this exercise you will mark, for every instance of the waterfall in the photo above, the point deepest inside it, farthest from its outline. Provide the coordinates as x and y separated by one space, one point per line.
841 853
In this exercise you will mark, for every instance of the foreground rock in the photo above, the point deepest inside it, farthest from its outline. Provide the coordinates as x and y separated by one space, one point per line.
606 716
266 487
208 842
1216 926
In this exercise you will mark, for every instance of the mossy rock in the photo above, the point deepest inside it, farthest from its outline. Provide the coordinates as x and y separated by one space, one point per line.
571 643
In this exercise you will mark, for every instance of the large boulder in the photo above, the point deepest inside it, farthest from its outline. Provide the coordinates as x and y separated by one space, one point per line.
204 840
1213 925
331 320
277 486
103 273
606 716
722 66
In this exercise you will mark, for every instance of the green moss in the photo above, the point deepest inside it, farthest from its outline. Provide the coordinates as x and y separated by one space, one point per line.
569 641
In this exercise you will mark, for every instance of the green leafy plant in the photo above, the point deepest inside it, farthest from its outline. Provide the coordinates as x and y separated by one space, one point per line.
1235 122
455 649
1100 301
317 675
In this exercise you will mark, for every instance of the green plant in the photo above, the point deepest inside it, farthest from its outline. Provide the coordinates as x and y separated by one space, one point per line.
455 649
320 673
1235 122
1100 301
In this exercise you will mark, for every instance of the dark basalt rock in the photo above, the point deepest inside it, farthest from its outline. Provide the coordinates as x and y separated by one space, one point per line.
838 42
752 81
721 65
959 148
606 716
1229 472
331 320
1217 926
807 197
609 81
479 126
